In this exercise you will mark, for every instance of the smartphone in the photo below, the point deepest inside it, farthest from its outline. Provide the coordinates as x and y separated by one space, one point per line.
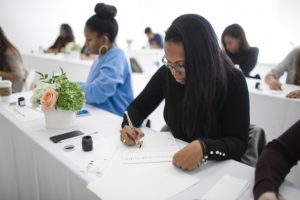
82 112
64 136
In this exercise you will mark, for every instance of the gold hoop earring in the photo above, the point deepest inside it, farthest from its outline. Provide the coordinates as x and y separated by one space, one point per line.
103 49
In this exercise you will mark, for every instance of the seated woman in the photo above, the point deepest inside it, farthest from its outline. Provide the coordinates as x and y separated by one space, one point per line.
109 82
291 65
238 49
206 98
275 162
11 64
65 36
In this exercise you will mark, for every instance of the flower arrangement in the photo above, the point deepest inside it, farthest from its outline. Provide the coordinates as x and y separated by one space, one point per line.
58 92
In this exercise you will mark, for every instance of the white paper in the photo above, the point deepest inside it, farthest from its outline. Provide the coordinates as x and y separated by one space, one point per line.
96 160
157 147
289 192
25 113
140 181
228 187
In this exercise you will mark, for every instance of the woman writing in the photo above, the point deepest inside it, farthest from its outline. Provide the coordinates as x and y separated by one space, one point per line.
206 98
291 65
109 82
237 48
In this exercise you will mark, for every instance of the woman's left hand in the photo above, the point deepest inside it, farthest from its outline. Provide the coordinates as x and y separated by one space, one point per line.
294 94
189 157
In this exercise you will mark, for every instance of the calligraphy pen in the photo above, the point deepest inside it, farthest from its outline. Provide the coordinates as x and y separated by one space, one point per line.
138 142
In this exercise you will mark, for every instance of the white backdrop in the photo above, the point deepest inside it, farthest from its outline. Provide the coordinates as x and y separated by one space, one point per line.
272 25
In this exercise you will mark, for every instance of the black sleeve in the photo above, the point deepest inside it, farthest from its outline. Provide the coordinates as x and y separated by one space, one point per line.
250 60
277 159
146 102
234 122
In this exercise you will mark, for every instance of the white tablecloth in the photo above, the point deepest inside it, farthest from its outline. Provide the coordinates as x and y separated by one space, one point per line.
32 167
76 69
271 110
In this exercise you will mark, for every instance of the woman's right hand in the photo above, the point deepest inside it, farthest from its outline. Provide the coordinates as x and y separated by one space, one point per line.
130 136
275 85
270 196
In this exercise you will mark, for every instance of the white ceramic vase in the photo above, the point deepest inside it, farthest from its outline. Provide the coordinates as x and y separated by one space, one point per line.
59 119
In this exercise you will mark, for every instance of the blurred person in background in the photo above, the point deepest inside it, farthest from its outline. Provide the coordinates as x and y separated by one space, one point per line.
154 39
291 65
65 36
11 64
238 49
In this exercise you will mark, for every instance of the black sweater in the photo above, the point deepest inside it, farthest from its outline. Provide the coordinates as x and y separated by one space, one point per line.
246 59
233 122
277 159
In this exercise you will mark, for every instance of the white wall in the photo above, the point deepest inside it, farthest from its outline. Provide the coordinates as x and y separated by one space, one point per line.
272 25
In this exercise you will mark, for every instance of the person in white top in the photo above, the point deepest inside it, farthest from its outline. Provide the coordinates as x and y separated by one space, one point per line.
291 65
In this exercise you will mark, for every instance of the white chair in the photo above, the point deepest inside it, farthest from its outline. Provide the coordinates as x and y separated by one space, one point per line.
28 85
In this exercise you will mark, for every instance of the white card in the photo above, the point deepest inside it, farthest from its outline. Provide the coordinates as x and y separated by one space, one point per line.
228 187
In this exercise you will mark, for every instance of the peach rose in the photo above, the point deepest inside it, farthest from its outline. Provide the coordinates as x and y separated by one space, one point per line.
48 100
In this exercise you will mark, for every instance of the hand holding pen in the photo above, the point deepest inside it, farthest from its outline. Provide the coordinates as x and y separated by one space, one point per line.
275 85
131 136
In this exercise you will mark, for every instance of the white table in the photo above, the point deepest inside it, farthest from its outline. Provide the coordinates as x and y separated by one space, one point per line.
76 69
271 110
32 167
275 113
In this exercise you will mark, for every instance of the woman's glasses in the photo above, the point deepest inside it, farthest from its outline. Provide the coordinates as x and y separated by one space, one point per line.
179 66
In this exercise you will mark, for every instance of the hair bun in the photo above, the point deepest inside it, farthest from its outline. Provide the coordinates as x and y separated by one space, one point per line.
105 11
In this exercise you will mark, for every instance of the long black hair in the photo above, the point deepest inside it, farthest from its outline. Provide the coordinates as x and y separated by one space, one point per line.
206 73
5 45
237 32
67 28
103 22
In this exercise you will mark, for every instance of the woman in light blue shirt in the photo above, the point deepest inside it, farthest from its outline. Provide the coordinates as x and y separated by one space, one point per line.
109 84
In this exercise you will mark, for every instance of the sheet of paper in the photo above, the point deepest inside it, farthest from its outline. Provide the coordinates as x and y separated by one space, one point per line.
290 193
25 113
157 147
228 187
96 160
140 181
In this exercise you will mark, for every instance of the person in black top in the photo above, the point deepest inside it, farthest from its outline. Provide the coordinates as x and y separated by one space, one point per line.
154 39
275 162
238 49
65 36
206 98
